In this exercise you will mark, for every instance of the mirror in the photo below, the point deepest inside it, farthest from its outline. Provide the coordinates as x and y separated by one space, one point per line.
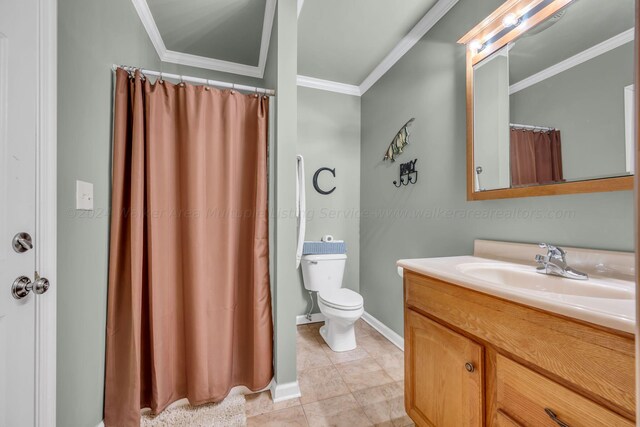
551 97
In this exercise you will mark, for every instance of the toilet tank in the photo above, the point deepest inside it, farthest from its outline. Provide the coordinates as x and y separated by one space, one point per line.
322 272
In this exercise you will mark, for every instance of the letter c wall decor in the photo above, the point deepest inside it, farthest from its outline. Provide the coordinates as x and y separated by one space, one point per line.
315 180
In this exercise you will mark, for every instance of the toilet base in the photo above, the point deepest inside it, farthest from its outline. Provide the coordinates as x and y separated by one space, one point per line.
342 340
340 333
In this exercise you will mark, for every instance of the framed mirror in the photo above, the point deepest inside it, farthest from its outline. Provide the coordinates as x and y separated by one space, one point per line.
550 99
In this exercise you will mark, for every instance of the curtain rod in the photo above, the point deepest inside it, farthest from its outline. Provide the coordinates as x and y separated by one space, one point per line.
197 80
529 127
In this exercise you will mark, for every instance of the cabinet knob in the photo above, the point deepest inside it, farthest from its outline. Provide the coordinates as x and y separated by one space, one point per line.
469 367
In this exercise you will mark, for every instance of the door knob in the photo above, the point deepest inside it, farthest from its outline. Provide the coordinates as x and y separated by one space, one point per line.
23 285
22 242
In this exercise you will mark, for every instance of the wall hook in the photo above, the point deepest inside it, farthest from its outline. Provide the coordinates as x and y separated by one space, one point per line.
408 174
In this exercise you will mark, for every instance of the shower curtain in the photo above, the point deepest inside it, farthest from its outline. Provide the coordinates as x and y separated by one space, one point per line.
535 157
189 310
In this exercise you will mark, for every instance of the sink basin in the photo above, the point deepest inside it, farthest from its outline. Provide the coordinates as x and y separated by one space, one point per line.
507 270
526 278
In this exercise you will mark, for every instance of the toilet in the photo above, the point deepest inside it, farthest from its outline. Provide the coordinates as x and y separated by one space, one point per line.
341 307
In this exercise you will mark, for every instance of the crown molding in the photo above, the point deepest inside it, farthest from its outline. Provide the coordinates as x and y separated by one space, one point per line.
300 4
149 24
584 56
211 64
165 55
312 82
417 32
267 26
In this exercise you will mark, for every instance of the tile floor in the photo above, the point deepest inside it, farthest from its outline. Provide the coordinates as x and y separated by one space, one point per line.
363 387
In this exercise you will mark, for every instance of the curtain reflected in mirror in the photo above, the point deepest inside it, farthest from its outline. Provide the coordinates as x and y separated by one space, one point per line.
535 156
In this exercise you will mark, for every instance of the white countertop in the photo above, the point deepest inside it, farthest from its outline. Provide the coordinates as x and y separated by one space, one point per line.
609 272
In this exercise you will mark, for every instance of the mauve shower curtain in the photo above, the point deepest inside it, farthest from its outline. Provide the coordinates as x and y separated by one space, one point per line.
189 311
536 157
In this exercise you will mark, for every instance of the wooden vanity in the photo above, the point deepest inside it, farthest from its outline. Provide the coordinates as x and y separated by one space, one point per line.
473 359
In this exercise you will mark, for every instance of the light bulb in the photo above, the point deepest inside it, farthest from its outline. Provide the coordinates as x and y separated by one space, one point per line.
511 20
476 45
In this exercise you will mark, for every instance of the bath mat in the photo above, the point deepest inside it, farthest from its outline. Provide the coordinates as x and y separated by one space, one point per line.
228 413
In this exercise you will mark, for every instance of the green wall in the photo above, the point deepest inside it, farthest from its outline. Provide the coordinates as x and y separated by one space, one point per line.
92 36
281 73
329 136
433 218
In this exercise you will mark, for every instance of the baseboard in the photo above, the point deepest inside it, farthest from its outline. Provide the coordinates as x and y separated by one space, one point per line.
386 331
315 318
100 424
282 392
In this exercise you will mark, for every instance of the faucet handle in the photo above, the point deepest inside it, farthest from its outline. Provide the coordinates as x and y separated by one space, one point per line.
554 251
541 259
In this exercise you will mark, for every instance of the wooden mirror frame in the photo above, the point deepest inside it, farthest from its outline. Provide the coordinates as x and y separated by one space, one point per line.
491 29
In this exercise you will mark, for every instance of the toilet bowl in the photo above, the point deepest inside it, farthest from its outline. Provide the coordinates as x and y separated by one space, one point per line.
341 307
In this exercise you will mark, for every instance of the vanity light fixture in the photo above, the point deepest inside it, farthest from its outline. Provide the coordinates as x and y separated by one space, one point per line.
511 20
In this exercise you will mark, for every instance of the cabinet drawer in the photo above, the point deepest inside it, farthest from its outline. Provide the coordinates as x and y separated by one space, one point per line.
523 396
503 420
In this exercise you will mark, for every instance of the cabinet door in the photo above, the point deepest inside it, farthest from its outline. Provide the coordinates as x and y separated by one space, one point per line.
443 375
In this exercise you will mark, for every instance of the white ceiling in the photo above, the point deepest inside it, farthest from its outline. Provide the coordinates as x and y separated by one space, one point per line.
344 46
343 41
229 30
182 23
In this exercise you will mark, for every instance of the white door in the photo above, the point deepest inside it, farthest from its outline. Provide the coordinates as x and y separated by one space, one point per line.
18 124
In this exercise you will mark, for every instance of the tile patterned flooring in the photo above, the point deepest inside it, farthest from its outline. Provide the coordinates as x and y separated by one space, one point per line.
363 387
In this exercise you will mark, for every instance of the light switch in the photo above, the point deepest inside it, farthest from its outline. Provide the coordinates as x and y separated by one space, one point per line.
84 196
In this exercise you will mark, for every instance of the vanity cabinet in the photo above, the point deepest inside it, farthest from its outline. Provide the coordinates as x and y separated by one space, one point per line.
472 359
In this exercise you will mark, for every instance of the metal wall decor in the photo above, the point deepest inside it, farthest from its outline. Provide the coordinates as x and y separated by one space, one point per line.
315 180
408 174
399 142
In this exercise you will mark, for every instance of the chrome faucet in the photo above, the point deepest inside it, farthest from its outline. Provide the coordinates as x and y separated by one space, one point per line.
555 263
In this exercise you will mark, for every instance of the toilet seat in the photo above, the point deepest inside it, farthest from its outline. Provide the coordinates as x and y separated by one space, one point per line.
341 299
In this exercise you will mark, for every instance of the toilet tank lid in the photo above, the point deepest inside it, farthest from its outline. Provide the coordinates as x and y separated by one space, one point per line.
324 257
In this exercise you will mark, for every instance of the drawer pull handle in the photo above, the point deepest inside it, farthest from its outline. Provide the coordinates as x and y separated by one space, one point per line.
469 367
555 418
